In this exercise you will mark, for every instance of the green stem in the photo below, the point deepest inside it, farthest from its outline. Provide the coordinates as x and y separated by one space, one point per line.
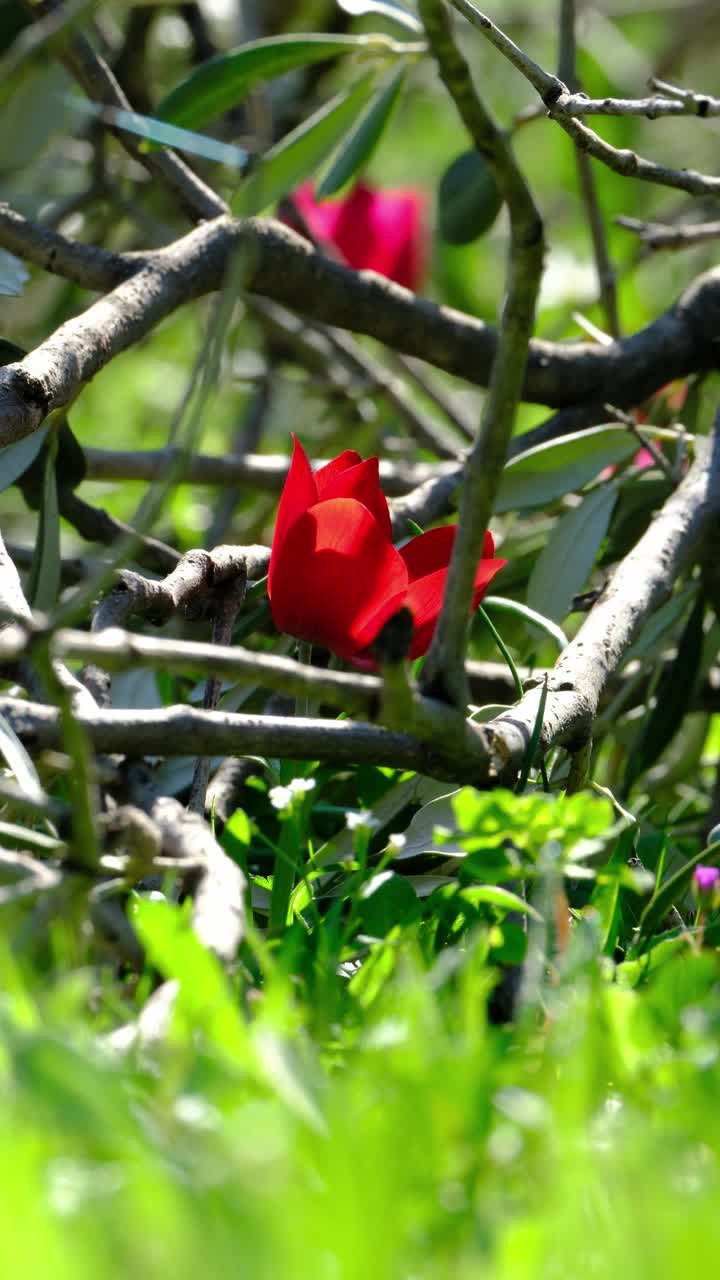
284 875
504 651
302 702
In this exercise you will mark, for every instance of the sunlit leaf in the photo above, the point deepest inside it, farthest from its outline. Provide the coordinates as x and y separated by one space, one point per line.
224 81
298 155
549 471
565 562
360 143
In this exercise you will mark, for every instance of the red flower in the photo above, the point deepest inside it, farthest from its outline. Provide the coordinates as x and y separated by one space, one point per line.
381 230
335 577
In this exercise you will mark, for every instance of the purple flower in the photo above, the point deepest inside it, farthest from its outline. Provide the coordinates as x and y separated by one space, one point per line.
705 879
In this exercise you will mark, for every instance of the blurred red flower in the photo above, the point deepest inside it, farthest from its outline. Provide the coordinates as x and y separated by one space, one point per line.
335 577
383 231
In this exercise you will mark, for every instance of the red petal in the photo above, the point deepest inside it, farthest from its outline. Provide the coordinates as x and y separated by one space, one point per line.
398 235
321 219
299 493
361 482
484 576
326 477
337 577
432 550
425 595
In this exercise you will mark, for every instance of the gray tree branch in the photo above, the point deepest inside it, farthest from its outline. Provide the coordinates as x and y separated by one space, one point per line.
282 266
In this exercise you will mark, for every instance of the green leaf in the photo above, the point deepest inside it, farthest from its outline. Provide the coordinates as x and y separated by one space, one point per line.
386 900
205 998
224 81
656 628
13 275
491 819
421 835
386 9
19 762
549 471
44 585
673 697
16 458
468 200
672 891
298 155
496 896
566 560
606 896
534 619
534 742
362 140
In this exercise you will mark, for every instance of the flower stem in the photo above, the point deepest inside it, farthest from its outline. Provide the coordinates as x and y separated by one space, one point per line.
304 653
504 651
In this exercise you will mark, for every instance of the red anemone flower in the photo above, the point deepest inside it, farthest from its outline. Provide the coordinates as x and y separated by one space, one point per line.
335 577
382 231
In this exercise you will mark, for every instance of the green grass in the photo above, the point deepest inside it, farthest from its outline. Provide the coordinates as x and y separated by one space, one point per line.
341 1106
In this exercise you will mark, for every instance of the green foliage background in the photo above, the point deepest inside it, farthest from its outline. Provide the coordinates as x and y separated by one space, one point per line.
341 1105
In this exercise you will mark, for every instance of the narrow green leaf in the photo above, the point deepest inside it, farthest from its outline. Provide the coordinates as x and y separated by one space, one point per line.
362 140
606 896
534 741
672 891
530 616
386 900
158 133
297 156
566 560
16 458
496 896
13 274
551 470
673 697
504 651
386 9
655 630
44 586
19 762
224 81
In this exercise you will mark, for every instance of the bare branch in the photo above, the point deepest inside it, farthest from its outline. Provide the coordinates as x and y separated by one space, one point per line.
443 673
185 731
116 650
283 266
265 471
567 72
189 586
657 235
630 165
216 882
640 584
564 106
97 525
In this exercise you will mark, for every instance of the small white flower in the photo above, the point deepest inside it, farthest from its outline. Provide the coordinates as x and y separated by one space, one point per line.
299 786
396 842
280 797
358 819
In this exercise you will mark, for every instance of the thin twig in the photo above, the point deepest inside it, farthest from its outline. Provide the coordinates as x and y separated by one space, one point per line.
228 602
99 83
657 235
564 107
444 669
588 187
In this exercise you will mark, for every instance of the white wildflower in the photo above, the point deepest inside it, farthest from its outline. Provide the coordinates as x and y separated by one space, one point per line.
299 786
357 819
280 797
396 842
